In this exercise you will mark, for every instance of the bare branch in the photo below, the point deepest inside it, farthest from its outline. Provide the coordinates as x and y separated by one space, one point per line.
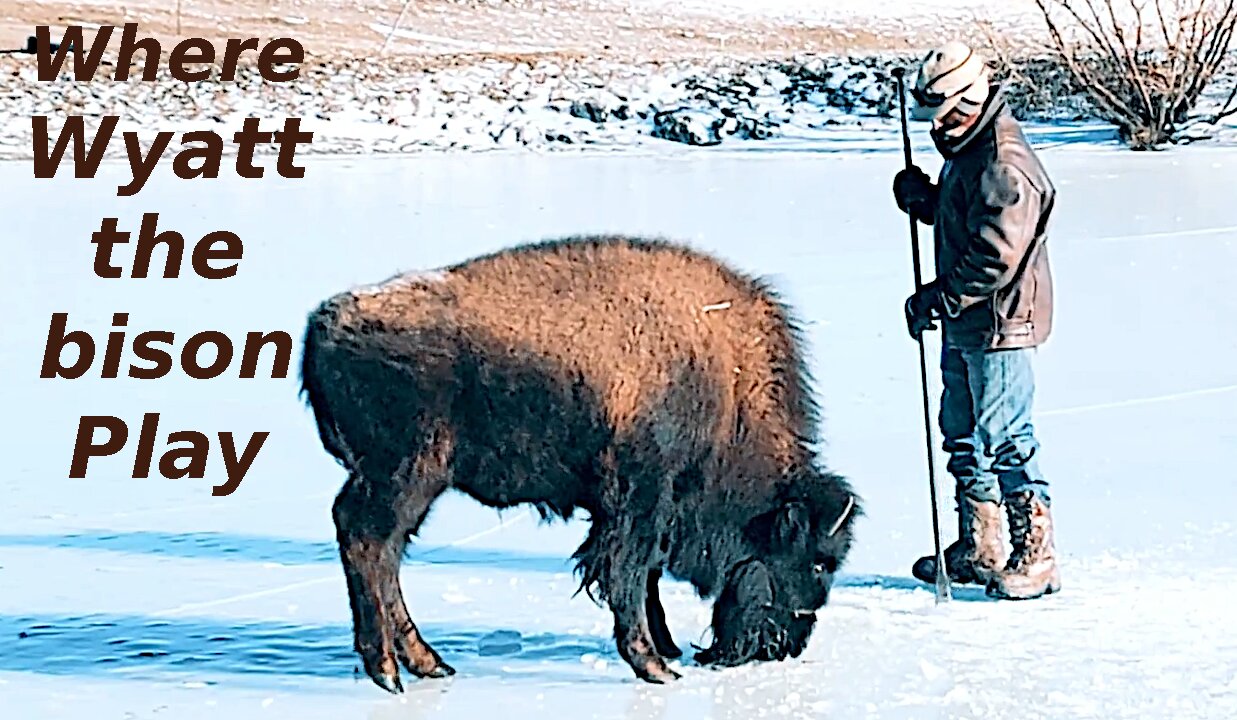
1133 71
1003 57
1114 52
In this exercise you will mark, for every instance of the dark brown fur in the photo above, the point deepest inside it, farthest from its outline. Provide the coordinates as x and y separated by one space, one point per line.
640 381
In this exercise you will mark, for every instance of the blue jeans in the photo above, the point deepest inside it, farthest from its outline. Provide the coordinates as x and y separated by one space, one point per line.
986 423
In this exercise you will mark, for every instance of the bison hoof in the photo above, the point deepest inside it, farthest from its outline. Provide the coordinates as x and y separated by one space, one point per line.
442 670
390 683
658 673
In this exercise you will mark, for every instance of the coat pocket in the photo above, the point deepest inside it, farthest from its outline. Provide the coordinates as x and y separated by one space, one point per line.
1013 310
1013 307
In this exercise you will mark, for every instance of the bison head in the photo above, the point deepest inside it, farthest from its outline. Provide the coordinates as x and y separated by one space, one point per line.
768 603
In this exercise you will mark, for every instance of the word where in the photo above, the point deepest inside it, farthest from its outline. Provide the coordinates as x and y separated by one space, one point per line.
190 51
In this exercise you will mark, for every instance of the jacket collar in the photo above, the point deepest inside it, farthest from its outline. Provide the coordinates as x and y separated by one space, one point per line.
951 147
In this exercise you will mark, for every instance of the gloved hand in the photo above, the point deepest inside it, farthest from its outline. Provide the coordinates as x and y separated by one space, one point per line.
914 192
923 308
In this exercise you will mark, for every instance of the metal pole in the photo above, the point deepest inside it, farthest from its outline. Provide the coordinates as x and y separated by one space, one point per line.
942 578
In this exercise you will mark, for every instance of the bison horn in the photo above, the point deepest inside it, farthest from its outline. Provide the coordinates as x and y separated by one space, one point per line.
837 525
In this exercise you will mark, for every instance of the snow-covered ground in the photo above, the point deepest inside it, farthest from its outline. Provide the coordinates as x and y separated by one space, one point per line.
124 598
496 74
547 104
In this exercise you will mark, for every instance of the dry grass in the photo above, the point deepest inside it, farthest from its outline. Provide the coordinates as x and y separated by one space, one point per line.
447 30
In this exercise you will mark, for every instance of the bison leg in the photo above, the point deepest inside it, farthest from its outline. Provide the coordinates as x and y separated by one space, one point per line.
627 564
413 651
372 521
628 599
623 546
366 552
658 629
620 570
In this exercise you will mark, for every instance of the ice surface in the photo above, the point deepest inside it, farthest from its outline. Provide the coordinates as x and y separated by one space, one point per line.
150 598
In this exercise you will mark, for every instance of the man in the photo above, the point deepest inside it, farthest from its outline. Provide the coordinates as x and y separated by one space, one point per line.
993 296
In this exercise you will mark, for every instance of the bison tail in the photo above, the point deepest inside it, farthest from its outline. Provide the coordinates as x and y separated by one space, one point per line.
319 336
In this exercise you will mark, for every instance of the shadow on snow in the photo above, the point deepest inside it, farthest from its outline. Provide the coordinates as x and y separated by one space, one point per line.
289 551
265 652
143 647
266 549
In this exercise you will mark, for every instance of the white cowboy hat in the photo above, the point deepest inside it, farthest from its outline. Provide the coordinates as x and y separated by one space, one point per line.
952 76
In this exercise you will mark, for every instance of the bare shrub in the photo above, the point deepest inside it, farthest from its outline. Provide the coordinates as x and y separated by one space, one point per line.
1144 64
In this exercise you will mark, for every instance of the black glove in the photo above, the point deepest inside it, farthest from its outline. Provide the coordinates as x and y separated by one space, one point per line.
923 308
914 192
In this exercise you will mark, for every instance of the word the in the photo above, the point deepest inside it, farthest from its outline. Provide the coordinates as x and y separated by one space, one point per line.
108 236
195 455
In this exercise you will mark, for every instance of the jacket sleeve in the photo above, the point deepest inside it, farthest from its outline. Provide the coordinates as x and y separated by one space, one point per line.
1001 225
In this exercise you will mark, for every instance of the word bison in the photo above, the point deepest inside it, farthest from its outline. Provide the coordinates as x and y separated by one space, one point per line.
646 383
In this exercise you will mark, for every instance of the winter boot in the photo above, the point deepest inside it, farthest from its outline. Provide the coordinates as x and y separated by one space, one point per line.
979 551
1032 568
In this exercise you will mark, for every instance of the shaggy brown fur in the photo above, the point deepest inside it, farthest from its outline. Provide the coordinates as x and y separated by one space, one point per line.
643 382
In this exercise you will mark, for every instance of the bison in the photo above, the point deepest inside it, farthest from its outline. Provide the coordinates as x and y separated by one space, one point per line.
641 381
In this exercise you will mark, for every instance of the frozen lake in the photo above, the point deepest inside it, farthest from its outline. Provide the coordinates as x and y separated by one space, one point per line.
124 597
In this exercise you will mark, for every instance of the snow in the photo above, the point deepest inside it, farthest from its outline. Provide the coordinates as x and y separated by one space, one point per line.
141 598
490 104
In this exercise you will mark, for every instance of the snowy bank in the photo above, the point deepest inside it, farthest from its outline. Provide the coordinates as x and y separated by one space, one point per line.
402 106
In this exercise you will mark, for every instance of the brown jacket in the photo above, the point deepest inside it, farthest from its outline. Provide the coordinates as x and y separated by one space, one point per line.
990 219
